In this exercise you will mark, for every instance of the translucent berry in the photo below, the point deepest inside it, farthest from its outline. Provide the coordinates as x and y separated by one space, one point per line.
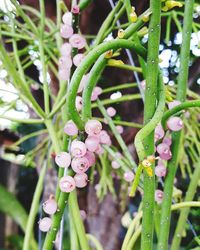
66 31
175 123
93 127
159 132
111 111
120 129
77 41
78 148
67 184
92 143
129 176
162 148
66 50
80 165
99 150
78 59
83 82
104 138
45 224
63 159
83 214
159 196
81 180
95 93
160 171
79 103
75 9
115 164
167 140
67 18
70 128
91 158
50 206
167 155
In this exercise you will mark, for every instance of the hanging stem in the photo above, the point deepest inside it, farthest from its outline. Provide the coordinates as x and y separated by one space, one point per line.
181 95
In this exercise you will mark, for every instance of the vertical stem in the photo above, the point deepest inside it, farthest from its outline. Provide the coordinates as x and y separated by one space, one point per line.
149 109
185 211
181 95
34 209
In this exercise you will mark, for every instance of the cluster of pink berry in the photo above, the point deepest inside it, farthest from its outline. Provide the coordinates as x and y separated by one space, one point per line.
74 41
163 149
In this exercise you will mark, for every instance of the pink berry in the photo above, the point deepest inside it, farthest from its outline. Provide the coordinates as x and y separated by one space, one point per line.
81 180
50 206
115 164
78 59
65 63
79 103
167 141
111 111
83 82
80 165
83 214
104 138
120 129
91 158
70 128
167 155
93 127
66 31
159 132
78 148
99 150
160 171
77 41
75 9
92 143
129 176
95 93
45 224
143 84
63 159
66 50
64 75
67 184
67 18
162 148
173 104
159 196
175 123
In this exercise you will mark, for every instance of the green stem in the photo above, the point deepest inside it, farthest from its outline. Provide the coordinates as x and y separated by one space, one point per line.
185 212
25 121
73 203
149 110
126 66
181 95
34 209
96 243
119 87
134 238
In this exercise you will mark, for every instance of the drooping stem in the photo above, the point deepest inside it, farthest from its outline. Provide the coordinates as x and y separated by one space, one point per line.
149 110
181 95
184 212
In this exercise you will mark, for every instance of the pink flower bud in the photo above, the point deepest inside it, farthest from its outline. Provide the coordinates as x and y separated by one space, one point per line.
99 150
159 196
64 75
95 93
81 180
167 155
93 127
50 206
80 165
67 18
70 128
78 59
67 184
92 143
79 103
66 50
78 148
45 224
104 138
111 111
66 31
83 82
63 159
159 132
160 171
115 164
162 148
129 176
120 129
75 9
175 123
77 41
173 104
91 158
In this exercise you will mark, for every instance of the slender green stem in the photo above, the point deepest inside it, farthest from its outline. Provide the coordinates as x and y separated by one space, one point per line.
73 203
119 87
151 93
96 243
126 66
181 95
134 238
185 212
34 209
25 121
